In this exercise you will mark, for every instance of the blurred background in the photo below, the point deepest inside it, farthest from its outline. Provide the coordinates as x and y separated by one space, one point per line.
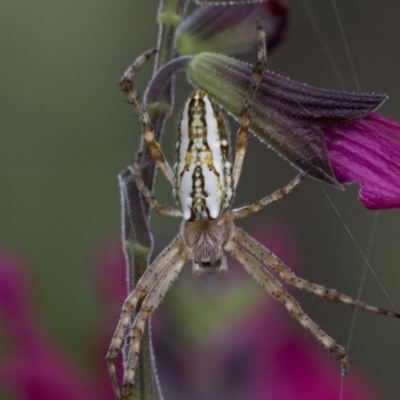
66 133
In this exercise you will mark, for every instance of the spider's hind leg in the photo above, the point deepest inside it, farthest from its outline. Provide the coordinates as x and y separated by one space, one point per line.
147 195
260 204
242 137
132 70
126 86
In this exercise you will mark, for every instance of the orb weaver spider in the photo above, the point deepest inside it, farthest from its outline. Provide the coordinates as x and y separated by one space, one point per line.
204 182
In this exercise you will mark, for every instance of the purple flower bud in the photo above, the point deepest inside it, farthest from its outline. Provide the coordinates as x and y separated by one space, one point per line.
231 28
333 134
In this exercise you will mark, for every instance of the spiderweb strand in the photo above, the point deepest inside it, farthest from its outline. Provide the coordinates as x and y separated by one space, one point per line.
371 241
312 17
366 261
339 78
346 47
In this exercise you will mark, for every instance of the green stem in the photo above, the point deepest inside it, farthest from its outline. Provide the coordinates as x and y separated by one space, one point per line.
135 213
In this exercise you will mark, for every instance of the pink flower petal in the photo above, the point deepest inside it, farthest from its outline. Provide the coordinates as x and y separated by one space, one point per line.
368 152
284 365
34 368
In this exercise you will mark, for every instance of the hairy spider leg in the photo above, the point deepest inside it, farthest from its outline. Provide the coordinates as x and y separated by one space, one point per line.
160 266
148 196
274 264
147 127
278 292
260 204
242 136
154 296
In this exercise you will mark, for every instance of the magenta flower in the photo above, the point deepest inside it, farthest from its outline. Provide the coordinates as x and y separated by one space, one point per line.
245 334
294 370
368 152
34 367
245 346
335 136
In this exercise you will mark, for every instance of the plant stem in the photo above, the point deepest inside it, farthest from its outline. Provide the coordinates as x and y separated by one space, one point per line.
137 239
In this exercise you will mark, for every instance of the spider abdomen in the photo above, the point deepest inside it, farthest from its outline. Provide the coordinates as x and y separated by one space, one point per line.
203 172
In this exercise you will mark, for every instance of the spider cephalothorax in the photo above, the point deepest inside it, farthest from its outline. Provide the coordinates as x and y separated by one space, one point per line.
207 240
204 183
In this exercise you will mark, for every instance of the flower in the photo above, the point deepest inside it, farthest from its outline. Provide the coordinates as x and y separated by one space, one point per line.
230 28
226 340
368 152
34 366
244 338
335 136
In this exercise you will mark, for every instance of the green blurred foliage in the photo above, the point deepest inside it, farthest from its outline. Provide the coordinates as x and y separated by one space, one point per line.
65 134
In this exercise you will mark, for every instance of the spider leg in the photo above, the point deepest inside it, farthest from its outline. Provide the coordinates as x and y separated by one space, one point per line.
260 204
138 63
147 127
153 298
243 132
147 195
149 279
273 263
278 292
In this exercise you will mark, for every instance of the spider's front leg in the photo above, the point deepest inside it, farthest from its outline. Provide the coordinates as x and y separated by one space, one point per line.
278 292
163 281
160 267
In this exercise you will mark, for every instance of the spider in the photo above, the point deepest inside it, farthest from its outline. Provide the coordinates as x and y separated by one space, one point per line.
204 182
